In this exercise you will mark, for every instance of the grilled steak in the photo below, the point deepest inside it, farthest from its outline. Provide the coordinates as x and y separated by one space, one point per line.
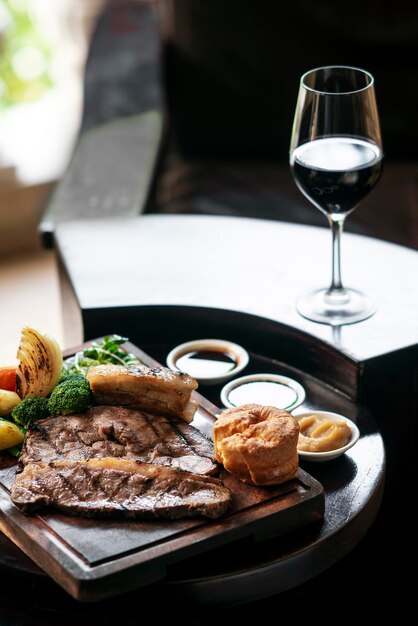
120 432
108 486
158 390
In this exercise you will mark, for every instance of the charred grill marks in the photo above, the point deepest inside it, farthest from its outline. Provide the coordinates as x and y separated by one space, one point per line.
182 436
137 490
116 460
134 434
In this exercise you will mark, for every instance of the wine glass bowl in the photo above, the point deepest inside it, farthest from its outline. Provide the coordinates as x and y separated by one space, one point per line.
336 158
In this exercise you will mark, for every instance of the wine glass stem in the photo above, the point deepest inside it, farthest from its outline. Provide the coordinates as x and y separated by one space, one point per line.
336 294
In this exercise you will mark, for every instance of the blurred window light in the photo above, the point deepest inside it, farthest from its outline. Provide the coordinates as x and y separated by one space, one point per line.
25 54
43 47
29 63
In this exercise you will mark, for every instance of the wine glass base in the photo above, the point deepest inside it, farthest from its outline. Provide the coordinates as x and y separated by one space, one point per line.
354 306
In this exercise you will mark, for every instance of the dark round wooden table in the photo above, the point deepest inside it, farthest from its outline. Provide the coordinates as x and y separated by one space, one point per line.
237 279
247 572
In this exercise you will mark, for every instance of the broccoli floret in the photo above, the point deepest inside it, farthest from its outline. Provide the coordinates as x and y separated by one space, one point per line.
71 396
30 410
69 375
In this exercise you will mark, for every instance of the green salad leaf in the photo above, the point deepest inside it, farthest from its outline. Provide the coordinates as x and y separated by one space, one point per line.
15 450
108 351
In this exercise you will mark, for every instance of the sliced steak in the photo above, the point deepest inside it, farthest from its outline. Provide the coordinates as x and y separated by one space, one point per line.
121 432
158 390
119 487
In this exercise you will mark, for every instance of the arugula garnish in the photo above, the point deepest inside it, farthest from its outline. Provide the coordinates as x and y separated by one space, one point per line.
108 351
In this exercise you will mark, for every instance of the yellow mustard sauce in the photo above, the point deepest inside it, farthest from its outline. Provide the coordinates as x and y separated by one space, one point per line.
322 434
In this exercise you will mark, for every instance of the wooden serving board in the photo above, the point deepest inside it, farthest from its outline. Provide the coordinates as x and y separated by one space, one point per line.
94 559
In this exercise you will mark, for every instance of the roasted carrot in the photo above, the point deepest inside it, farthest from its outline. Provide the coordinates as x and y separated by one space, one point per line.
8 378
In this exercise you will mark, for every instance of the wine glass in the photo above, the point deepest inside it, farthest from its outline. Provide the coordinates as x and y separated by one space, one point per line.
336 158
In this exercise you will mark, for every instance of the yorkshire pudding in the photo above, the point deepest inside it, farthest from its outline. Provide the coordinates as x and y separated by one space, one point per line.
257 444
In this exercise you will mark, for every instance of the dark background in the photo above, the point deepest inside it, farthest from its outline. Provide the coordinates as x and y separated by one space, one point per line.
233 69
230 75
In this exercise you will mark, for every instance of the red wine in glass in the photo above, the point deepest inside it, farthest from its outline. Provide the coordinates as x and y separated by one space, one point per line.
336 159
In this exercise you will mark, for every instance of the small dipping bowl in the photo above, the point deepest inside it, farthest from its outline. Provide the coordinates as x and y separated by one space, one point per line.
318 457
268 389
210 361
